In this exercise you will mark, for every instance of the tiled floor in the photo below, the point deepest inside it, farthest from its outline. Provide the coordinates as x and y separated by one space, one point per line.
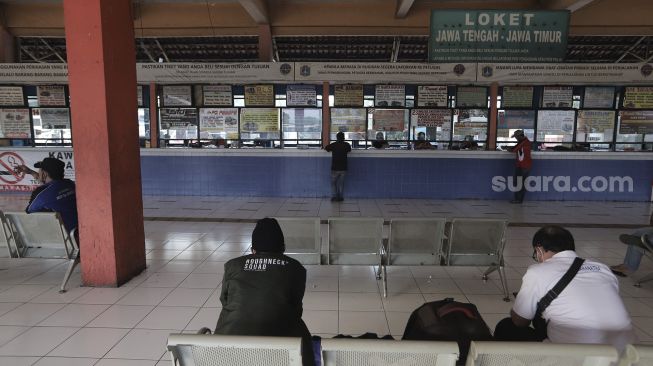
248 208
179 292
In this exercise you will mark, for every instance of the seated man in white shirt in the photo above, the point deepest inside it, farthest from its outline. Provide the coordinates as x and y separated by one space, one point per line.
588 310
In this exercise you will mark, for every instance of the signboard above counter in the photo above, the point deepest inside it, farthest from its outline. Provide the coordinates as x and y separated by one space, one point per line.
498 36
357 73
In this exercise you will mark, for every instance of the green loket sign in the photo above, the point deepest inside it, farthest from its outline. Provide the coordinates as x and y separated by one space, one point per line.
498 36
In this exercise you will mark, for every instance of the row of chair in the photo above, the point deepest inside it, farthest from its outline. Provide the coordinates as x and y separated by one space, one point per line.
220 350
32 235
411 241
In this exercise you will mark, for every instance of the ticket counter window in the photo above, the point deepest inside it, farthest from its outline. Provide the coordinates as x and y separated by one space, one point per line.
260 127
350 121
143 126
302 127
51 126
391 124
511 120
635 130
555 129
595 129
469 128
178 126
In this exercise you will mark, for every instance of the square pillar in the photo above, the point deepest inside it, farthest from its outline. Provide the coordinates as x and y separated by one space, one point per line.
102 78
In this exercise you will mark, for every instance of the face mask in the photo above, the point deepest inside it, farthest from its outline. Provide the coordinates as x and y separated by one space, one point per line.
538 255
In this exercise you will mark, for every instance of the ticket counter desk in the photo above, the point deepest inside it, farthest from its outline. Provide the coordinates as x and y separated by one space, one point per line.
436 174
439 174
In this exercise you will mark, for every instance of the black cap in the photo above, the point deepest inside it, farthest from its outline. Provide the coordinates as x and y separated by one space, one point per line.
268 237
54 167
518 133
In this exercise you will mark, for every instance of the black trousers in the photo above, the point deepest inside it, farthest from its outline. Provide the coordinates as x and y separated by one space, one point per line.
507 331
523 173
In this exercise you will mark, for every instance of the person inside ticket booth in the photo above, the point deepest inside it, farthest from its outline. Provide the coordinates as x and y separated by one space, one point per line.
55 194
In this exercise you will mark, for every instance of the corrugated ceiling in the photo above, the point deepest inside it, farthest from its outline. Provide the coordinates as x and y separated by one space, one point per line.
327 49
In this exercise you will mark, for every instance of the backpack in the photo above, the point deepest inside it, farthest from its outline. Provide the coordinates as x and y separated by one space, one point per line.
448 320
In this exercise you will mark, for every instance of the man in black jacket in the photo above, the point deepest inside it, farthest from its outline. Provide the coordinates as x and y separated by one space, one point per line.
339 151
262 292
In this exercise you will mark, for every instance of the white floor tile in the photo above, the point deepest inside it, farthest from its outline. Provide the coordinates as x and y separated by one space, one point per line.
321 284
165 279
23 293
73 315
402 285
205 317
164 317
141 344
121 316
214 299
119 362
402 302
478 287
320 301
211 267
100 296
202 280
319 321
90 342
29 314
397 321
66 361
145 296
355 284
6 307
9 332
438 285
187 297
351 301
358 322
38 341
491 304
53 296
18 361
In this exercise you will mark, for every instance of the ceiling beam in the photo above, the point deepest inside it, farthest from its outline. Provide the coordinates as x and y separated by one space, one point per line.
265 46
630 49
257 9
403 6
578 5
571 5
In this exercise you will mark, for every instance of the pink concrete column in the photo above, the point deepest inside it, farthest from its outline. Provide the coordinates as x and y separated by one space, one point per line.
102 77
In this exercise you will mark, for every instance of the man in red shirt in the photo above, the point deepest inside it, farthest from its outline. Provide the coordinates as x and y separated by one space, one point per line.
523 164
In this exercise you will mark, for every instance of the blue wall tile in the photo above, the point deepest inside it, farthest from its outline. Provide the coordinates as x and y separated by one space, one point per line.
374 177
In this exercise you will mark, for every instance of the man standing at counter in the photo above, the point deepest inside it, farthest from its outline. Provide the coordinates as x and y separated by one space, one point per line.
523 164
339 151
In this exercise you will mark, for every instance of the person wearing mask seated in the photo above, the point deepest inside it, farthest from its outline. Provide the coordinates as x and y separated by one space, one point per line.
262 292
568 299
380 142
421 143
55 194
468 143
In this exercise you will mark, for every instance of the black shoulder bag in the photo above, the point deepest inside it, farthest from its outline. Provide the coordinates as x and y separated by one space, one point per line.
538 322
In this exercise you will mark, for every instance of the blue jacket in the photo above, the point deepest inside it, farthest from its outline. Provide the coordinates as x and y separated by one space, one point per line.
56 196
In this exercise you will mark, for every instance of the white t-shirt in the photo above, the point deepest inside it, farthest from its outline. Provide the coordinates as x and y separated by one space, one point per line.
589 309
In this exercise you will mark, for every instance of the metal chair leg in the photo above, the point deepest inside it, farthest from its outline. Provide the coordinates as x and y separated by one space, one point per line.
384 274
490 269
639 281
72 263
504 283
